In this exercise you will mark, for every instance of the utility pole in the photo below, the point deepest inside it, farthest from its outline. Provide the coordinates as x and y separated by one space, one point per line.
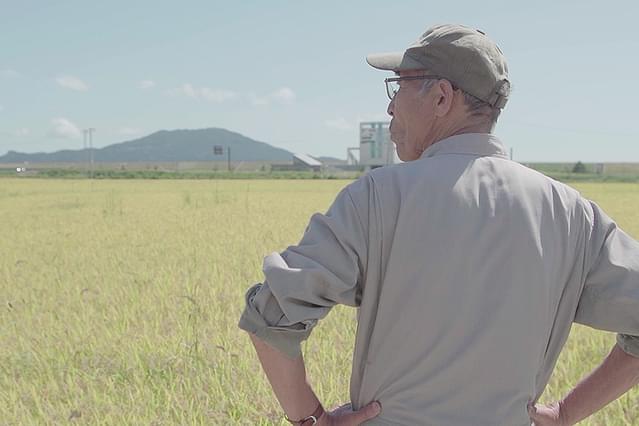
86 153
228 157
90 131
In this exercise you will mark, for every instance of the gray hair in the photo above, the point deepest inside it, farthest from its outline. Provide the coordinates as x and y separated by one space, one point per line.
476 107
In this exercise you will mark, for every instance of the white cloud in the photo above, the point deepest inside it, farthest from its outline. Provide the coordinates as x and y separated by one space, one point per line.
206 93
23 131
284 95
184 90
65 129
188 90
339 123
215 95
130 131
146 84
71 82
257 101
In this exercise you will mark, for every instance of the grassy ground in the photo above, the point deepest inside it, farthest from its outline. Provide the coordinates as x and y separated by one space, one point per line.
60 173
119 301
565 172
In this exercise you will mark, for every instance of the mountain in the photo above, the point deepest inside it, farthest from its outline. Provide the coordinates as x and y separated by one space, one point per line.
165 146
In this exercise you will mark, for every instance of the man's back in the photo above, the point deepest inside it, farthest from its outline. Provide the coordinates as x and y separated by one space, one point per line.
468 270
474 272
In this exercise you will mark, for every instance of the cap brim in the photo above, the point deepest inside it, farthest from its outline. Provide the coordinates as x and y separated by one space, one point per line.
394 61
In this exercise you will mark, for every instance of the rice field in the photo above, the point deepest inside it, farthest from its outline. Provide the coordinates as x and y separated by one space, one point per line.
119 301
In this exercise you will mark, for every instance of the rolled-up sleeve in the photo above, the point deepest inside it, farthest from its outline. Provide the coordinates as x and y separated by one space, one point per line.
610 297
305 281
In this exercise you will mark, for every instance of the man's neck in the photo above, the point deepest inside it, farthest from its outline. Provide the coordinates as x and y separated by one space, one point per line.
471 128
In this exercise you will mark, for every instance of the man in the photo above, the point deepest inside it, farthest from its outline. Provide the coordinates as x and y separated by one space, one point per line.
467 269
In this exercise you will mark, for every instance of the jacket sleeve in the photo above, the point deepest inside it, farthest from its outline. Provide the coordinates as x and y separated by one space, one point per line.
305 281
610 297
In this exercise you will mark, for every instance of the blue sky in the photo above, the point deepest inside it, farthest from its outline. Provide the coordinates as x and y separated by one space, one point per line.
293 74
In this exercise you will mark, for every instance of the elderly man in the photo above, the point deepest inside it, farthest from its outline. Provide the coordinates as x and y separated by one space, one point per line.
467 269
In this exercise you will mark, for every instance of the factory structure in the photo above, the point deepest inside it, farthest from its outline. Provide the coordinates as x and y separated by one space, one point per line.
375 150
375 146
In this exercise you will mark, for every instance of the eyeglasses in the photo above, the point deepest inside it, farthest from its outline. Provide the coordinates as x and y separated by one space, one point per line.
392 84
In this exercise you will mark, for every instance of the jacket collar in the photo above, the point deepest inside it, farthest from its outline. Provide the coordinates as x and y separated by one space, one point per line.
478 144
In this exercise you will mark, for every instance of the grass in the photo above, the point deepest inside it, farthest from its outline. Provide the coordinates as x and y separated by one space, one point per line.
614 172
119 301
59 173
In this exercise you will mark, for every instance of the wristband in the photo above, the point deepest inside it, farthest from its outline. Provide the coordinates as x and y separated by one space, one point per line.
309 420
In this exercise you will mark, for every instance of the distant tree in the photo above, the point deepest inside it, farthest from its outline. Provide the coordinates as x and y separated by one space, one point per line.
579 168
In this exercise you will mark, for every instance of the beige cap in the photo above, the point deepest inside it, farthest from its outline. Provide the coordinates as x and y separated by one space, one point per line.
465 56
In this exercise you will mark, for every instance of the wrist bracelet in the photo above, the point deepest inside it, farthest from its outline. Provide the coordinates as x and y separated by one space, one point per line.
312 418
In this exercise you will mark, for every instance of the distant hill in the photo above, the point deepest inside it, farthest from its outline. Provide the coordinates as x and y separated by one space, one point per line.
165 146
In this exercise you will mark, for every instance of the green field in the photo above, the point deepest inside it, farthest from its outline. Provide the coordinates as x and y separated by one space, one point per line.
119 301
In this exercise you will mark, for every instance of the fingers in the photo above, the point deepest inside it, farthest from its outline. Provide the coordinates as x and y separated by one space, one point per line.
367 412
535 416
346 406
544 415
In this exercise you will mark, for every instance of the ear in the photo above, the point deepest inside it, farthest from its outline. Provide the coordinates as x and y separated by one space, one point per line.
444 99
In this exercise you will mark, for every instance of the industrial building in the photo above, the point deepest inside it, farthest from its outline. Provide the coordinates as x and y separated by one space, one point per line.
375 146
306 162
301 162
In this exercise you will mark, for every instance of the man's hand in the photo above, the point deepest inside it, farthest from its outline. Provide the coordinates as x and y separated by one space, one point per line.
345 416
547 415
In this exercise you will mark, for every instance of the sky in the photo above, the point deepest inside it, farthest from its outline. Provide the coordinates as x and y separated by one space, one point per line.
293 73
